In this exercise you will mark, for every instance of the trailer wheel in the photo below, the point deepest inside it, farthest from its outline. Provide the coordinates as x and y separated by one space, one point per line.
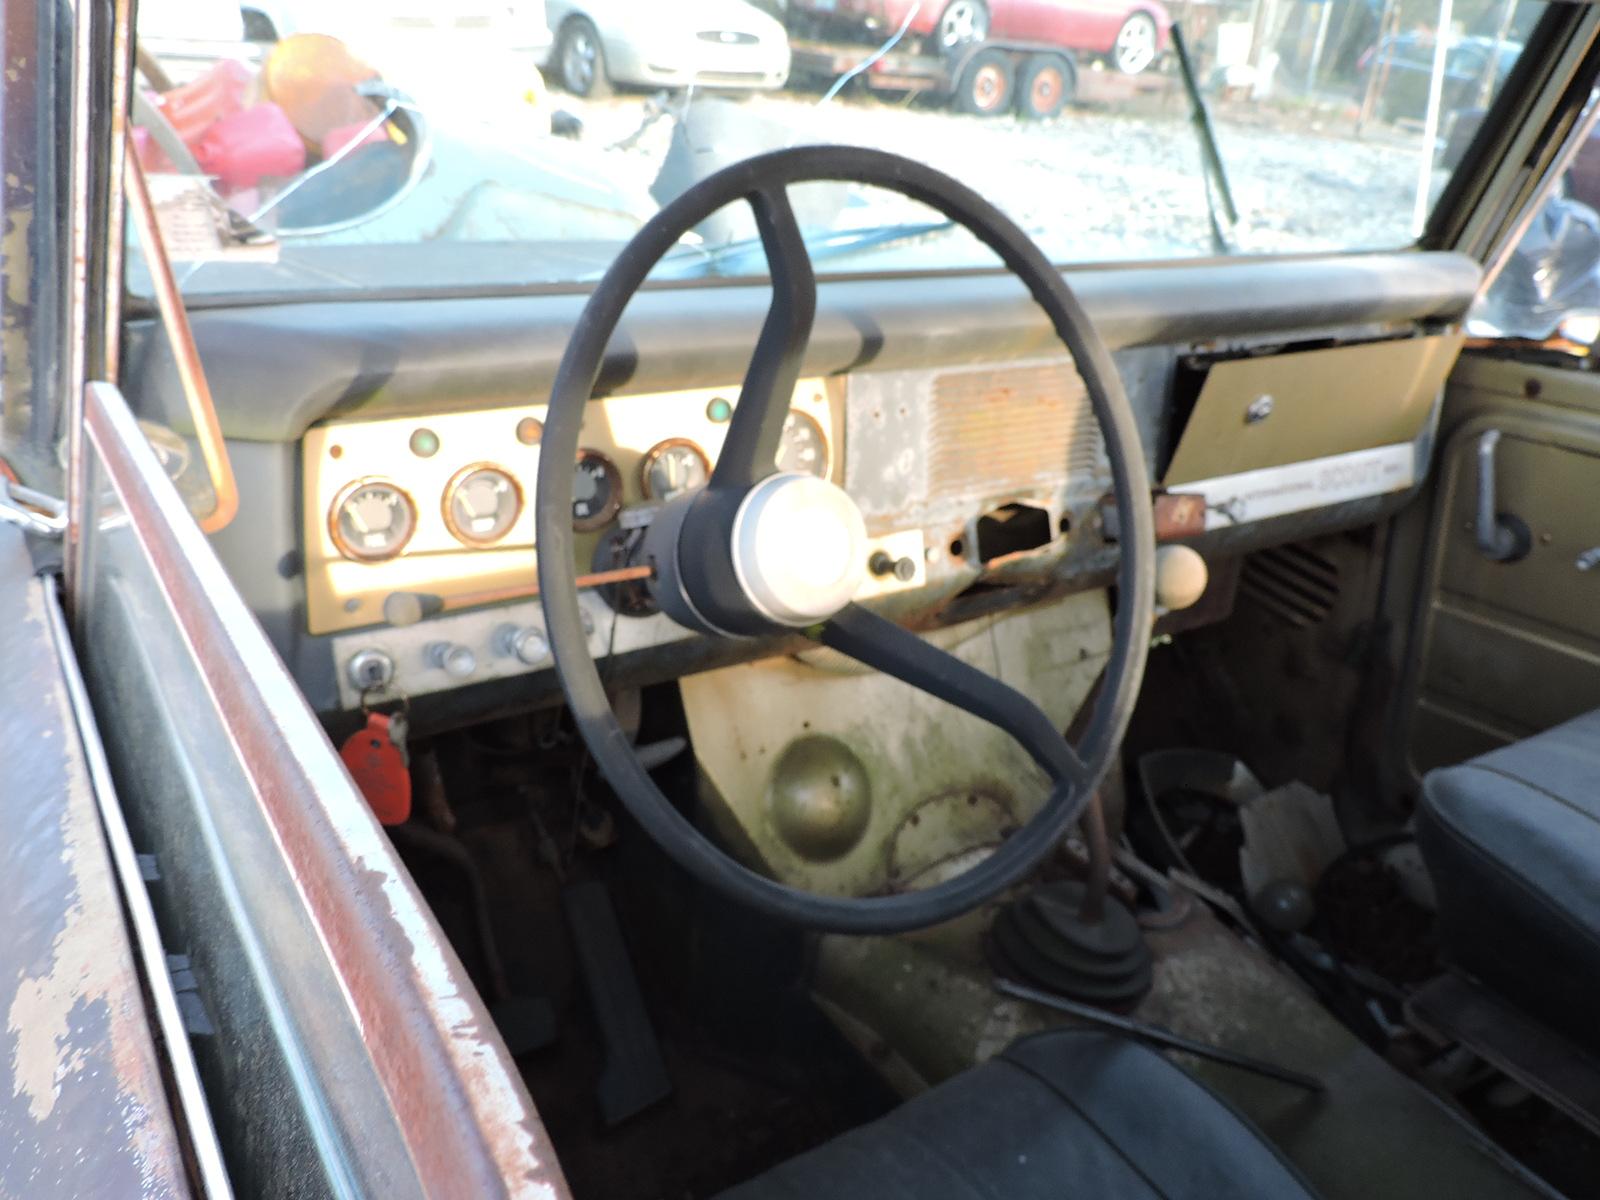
1048 82
1138 44
962 23
986 84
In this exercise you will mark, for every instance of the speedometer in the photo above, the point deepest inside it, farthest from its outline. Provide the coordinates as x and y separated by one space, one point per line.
804 448
371 520
596 491
673 467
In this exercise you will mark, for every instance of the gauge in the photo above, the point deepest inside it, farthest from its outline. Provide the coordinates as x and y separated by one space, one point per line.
372 520
673 467
804 448
596 491
481 504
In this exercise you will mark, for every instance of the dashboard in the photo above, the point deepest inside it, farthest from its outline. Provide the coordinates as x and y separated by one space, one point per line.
420 553
386 450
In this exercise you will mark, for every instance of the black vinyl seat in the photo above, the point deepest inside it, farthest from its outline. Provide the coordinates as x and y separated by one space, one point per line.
1512 841
1063 1114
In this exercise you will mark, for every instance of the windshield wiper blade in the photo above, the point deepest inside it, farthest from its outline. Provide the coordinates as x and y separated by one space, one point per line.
1215 177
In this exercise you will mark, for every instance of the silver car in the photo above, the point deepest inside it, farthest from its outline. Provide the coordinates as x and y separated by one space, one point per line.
698 43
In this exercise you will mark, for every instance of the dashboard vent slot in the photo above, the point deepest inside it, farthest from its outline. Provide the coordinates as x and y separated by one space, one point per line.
1295 585
1011 430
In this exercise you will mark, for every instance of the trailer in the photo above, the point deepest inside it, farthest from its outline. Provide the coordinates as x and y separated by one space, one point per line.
985 79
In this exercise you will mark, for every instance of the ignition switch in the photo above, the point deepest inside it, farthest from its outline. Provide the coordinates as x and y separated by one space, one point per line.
370 670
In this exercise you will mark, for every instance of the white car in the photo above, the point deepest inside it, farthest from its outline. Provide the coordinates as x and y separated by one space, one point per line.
647 43
402 37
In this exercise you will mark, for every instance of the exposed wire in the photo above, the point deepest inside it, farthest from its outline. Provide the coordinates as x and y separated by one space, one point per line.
873 58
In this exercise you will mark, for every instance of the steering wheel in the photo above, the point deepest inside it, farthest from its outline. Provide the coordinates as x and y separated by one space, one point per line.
758 552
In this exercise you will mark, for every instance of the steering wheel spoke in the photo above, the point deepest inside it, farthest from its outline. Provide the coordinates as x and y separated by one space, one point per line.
750 451
879 643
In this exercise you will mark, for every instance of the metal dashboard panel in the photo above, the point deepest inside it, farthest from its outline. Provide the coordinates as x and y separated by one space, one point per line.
924 453
933 449
345 594
1258 413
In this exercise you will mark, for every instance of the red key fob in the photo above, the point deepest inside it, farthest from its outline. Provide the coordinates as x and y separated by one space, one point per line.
378 766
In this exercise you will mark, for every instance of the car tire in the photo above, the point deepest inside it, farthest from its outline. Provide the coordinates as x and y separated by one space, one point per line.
581 60
987 84
258 27
1047 82
962 23
1138 44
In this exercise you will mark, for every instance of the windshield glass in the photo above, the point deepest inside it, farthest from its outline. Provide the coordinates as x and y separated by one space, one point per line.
372 146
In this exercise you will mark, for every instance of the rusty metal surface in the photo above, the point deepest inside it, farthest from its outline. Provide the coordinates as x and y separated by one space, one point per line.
82 1106
191 371
208 1171
1011 429
442 1077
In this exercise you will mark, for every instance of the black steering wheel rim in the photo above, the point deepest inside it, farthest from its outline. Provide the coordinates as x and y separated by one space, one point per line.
760 180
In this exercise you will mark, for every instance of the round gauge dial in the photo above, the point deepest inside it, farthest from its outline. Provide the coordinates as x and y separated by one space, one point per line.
481 504
372 520
673 467
596 491
804 449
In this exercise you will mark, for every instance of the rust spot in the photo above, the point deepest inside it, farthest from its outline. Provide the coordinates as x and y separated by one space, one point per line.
86 1106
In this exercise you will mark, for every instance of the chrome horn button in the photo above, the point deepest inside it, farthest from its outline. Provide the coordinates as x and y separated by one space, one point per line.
799 549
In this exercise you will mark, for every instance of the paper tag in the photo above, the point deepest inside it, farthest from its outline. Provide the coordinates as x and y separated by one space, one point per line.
379 769
195 226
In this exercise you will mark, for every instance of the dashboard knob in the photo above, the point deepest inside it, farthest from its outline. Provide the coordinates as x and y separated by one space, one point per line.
452 658
883 563
1181 577
525 643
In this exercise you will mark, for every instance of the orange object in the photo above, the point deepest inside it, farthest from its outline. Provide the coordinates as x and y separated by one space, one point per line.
379 769
313 78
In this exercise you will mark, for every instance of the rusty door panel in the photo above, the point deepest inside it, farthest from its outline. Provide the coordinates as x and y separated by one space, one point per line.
83 1112
352 1055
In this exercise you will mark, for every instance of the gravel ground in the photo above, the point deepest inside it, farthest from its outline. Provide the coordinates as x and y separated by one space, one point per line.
1103 184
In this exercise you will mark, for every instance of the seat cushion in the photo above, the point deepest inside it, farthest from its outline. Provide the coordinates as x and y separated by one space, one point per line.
1062 1114
1512 841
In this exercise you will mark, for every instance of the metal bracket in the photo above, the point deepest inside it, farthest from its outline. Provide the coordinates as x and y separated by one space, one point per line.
34 512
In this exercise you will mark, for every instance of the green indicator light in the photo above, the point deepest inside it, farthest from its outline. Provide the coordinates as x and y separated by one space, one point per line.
424 443
719 410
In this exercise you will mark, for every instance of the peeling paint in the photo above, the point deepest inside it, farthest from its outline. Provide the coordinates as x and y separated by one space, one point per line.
86 1111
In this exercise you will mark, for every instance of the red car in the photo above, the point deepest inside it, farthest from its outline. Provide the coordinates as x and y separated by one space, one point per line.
1131 34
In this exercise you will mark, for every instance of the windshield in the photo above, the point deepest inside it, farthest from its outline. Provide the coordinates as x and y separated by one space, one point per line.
372 146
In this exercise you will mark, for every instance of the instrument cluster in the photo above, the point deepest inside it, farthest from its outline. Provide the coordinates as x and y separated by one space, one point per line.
423 514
